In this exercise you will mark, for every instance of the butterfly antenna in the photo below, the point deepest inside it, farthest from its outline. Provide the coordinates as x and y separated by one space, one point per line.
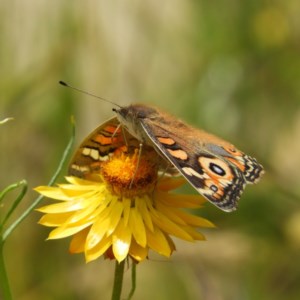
87 93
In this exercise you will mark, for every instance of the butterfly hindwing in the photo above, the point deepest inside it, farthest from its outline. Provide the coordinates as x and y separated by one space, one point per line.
98 147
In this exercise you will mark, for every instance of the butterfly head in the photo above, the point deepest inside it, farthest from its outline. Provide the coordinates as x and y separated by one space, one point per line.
130 117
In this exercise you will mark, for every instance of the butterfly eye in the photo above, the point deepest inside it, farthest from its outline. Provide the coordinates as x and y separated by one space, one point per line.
123 111
217 169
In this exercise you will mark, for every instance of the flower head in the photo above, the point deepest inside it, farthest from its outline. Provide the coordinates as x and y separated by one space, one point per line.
125 210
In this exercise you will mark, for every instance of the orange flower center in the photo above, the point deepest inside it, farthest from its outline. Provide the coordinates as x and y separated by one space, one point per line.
133 174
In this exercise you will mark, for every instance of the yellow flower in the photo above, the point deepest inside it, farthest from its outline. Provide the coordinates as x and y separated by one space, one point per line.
112 215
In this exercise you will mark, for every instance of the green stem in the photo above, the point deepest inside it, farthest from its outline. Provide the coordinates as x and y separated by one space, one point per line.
133 280
5 290
65 156
22 183
118 281
9 188
4 283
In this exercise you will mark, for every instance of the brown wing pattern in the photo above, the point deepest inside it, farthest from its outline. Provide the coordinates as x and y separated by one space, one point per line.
214 167
98 147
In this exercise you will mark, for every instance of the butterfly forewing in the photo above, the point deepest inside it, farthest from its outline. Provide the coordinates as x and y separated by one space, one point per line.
215 168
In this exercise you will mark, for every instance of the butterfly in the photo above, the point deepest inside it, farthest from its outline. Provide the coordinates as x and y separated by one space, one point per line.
214 167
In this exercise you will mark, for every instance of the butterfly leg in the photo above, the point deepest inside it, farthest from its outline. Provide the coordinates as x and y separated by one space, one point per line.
115 132
124 135
137 165
163 172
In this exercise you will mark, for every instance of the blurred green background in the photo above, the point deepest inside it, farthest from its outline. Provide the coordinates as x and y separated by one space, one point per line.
230 67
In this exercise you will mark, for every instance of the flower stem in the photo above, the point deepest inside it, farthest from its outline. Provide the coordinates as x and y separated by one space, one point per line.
5 290
64 158
133 280
118 281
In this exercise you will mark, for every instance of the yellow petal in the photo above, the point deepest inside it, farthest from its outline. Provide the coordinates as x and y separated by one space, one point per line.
171 243
177 200
87 213
195 234
195 220
137 252
102 210
171 213
75 192
121 241
52 192
170 227
98 250
78 241
79 181
67 206
115 215
96 233
141 205
65 231
137 227
157 241
170 183
126 210
54 220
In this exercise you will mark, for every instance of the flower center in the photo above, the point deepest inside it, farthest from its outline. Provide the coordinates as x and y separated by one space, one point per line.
131 174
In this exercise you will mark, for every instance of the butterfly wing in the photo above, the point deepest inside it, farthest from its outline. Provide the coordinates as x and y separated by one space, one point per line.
98 147
215 168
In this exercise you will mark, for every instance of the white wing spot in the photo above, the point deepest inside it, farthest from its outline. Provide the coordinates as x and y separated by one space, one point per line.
86 151
80 168
191 172
94 154
103 158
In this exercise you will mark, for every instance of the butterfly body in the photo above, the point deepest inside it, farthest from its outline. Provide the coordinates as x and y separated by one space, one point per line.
214 167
